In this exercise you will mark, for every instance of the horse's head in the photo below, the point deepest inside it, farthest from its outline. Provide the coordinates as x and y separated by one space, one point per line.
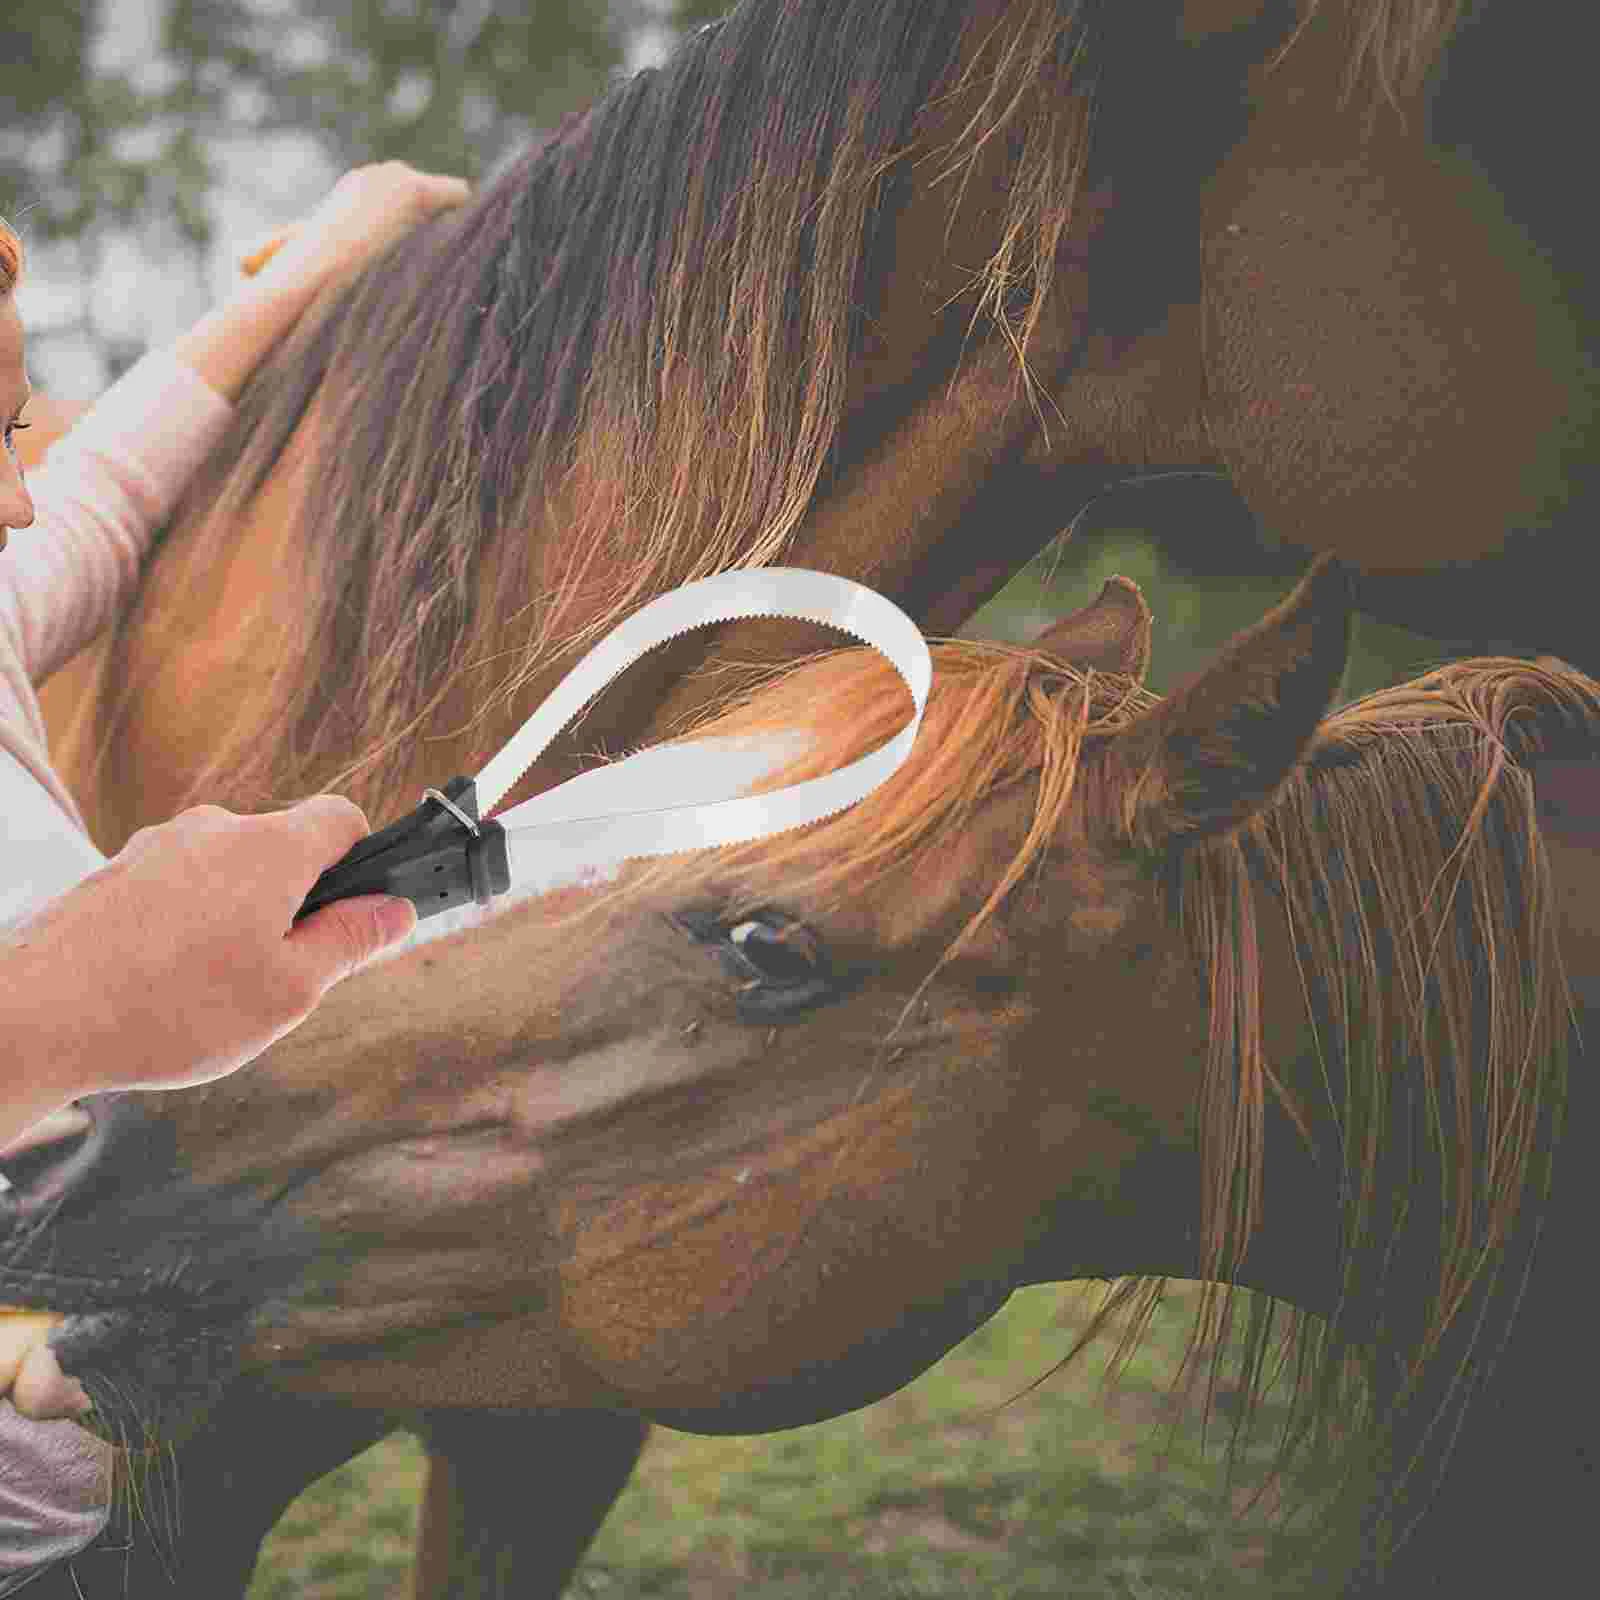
748 1137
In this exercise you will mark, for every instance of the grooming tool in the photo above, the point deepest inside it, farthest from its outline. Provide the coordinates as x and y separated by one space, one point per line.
659 801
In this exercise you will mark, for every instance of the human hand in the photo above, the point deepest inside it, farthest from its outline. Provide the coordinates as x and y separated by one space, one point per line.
178 961
365 210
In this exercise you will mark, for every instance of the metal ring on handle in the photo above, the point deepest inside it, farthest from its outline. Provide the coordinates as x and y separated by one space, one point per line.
454 810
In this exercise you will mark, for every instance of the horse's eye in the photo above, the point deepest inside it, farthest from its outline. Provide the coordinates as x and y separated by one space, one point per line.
777 952
780 963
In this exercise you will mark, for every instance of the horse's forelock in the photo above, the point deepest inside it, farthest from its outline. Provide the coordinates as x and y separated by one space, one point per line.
997 715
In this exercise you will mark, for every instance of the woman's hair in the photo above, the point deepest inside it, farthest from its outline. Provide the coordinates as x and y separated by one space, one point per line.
10 258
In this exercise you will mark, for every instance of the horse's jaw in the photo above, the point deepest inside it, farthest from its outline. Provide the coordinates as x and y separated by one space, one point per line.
677 1217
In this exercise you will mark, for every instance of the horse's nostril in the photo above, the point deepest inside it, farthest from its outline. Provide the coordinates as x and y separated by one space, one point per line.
42 1146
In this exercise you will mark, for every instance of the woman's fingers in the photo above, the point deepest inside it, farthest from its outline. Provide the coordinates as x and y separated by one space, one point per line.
366 208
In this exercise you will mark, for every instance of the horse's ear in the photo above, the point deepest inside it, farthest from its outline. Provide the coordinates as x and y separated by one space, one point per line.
1110 634
1215 751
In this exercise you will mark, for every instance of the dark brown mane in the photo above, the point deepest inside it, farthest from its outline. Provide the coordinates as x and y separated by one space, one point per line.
1427 952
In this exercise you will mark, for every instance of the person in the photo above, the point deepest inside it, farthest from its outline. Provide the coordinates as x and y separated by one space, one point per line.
176 961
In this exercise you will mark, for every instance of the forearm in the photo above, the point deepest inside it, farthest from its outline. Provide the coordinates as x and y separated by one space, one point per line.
229 343
43 1048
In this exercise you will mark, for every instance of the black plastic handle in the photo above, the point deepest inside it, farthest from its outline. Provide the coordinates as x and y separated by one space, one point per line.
430 858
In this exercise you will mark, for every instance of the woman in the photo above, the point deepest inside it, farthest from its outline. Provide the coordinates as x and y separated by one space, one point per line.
196 967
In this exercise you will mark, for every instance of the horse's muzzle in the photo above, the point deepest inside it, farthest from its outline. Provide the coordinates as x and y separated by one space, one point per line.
140 1281
63 1215
42 1170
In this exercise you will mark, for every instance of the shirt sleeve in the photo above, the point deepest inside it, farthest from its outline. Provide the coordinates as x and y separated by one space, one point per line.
106 486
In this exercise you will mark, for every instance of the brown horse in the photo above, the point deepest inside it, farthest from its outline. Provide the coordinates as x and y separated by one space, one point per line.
777 299
769 302
1098 986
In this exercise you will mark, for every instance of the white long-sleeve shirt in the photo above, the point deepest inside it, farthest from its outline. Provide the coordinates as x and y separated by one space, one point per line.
106 487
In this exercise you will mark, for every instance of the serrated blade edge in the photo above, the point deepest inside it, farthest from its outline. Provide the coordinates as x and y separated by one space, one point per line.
793 592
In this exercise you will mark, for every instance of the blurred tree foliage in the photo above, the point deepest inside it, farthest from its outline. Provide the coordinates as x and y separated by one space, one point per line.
449 86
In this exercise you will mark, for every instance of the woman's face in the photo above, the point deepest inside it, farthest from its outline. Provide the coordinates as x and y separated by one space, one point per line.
16 505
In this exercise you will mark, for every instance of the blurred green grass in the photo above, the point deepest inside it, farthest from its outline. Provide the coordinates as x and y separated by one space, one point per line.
960 1484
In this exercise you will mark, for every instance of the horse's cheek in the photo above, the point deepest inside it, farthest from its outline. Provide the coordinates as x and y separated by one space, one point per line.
1390 373
681 1294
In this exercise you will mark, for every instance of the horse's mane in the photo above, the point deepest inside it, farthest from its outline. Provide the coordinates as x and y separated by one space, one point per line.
627 363
1428 956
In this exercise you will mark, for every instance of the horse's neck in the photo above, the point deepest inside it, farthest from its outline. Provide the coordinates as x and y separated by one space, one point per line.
192 661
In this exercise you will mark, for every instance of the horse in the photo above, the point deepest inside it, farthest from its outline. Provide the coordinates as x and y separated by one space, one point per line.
879 290
1099 985
885 290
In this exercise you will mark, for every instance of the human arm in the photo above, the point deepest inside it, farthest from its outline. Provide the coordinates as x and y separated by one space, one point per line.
179 961
365 210
114 477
